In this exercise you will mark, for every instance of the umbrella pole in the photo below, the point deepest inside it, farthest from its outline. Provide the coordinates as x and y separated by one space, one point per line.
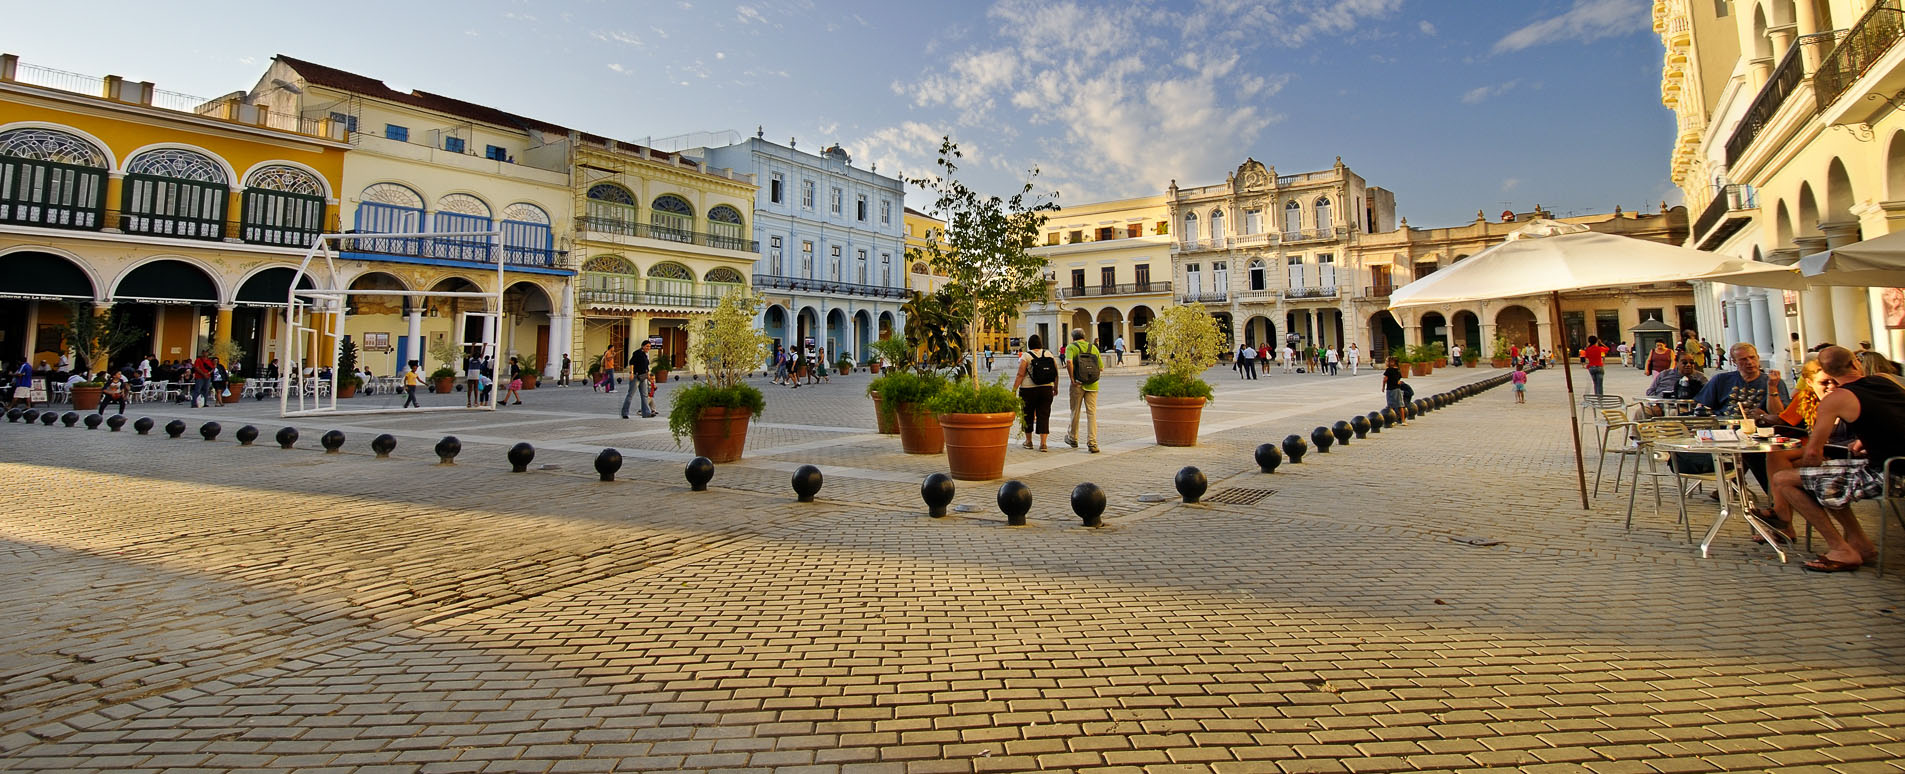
1574 415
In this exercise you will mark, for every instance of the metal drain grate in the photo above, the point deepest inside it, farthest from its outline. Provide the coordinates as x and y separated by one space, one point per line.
1240 496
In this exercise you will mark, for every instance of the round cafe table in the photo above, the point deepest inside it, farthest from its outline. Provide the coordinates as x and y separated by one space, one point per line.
1732 480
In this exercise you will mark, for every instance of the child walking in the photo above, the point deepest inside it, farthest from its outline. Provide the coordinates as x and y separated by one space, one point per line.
1520 378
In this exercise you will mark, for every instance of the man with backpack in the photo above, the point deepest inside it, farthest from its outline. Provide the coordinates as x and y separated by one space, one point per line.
1083 363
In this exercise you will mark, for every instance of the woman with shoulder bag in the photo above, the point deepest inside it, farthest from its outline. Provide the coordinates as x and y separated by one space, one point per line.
1040 366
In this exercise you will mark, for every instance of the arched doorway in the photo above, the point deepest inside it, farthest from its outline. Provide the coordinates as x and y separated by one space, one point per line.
836 335
1385 335
1140 323
774 324
1517 325
1110 327
1259 332
528 307
173 302
1466 329
31 285
372 320
254 323
886 325
471 329
807 328
1435 328
1226 329
1080 321
862 336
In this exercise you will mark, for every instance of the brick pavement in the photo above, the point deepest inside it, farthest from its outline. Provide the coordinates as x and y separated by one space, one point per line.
181 605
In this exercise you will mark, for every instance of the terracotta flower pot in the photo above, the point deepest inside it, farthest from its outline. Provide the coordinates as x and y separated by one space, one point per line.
660 378
1498 362
1420 369
1175 420
1441 362
346 390
236 390
919 431
874 366
975 444
446 384
888 425
86 397
720 433
529 380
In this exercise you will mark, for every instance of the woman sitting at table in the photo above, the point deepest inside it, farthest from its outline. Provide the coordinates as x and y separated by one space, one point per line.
1795 421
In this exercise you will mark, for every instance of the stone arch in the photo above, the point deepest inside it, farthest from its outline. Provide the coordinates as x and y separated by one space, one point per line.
1782 225
722 213
670 270
57 143
1895 167
723 274
169 279
1260 331
1517 324
269 285
1385 334
611 193
1808 223
463 204
1465 328
181 162
673 204
392 193
525 212
1839 193
366 305
1762 42
774 324
32 270
1435 327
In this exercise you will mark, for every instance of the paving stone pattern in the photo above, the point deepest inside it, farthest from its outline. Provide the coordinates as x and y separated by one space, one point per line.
176 605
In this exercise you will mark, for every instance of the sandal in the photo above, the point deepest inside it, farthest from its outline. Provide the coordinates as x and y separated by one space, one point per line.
1823 564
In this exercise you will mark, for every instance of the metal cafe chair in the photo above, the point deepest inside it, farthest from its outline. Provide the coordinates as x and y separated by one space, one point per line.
1894 472
1610 421
1659 466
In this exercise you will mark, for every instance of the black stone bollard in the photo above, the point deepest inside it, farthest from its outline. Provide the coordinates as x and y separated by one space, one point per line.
287 437
607 463
807 481
143 425
1374 418
1191 483
115 422
209 431
13 414
1088 501
1342 432
331 440
937 491
48 418
1360 424
520 456
700 471
175 428
92 421
246 435
1015 500
1391 416
1268 457
1294 448
1322 439
69 418
383 445
447 449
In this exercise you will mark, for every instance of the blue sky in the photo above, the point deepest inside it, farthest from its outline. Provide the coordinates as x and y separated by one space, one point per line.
1456 105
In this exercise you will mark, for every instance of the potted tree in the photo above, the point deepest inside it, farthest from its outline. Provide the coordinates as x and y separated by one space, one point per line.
658 369
990 276
96 337
1471 356
447 356
1184 342
715 412
347 379
1498 357
904 395
901 356
1438 354
531 369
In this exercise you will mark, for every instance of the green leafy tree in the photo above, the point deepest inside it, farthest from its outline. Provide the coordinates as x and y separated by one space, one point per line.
97 336
1185 342
984 254
934 331
731 345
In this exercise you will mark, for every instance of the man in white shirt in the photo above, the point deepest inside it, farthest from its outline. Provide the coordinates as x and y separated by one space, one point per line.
1333 359
1289 359
1247 361
1455 354
1355 358
145 369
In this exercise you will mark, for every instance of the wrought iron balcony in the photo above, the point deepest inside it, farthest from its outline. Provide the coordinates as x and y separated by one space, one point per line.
630 228
801 284
1785 79
646 298
471 249
1126 289
1307 293
1378 291
1206 297
1873 35
1732 198
1315 234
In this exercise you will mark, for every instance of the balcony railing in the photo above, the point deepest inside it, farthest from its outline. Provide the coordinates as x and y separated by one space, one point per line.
1873 35
1730 198
1314 234
646 298
471 249
1378 291
1126 289
770 282
1785 79
81 218
631 228
1329 292
1206 297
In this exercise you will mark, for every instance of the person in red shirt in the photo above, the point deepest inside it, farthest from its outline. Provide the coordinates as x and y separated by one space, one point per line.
202 381
1595 356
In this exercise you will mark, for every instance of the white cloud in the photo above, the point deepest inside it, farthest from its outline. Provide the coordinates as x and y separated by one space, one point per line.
616 36
1479 94
1587 21
1141 92
1426 27
1511 183
617 67
748 14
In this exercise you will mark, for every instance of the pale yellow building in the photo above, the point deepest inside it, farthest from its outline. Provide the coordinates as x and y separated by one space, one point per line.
922 229
1110 272
1788 142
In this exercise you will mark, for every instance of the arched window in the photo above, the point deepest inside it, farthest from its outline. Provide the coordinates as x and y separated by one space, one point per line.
1190 227
920 268
612 210
1324 220
1216 225
722 281
672 218
527 239
388 208
460 212
670 283
74 171
1292 219
725 228
608 278
282 205
175 192
1259 275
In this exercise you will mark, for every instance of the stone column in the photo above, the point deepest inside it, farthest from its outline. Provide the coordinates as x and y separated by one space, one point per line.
1763 325
221 328
1745 312
413 330
1851 309
1806 22
1781 37
1815 306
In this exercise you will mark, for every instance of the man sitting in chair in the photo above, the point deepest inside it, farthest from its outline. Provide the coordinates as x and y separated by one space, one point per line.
1823 490
1681 383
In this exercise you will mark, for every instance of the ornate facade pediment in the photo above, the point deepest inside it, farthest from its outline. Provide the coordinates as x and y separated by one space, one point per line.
1252 177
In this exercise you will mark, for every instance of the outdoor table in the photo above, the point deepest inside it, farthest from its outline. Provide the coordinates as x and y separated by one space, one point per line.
1731 481
1669 407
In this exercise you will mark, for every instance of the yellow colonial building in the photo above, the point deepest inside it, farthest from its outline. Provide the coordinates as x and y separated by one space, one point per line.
1789 141
921 230
187 213
1110 268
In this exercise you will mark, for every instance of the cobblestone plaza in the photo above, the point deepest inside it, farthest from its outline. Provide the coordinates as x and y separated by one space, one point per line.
178 605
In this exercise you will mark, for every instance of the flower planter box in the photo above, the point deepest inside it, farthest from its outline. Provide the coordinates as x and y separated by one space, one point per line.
1175 421
919 431
720 433
975 444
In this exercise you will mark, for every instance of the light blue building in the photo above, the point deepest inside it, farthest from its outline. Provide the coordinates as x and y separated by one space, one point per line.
833 245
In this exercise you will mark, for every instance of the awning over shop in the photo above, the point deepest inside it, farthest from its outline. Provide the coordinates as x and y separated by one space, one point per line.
43 275
168 281
271 286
